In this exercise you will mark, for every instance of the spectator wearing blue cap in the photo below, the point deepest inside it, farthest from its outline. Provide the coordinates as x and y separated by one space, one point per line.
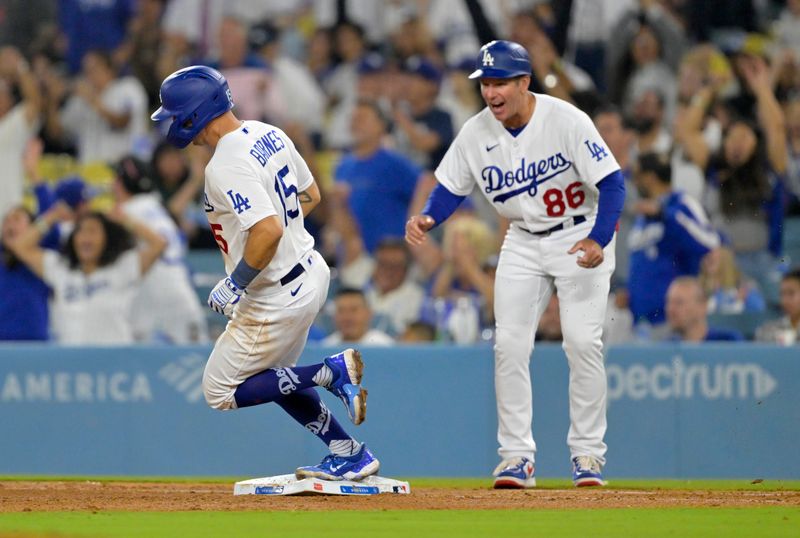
71 190
423 130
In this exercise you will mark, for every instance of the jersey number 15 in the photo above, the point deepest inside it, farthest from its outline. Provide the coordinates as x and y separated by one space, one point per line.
284 192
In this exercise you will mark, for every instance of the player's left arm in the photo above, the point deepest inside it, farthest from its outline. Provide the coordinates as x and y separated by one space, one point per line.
595 164
609 208
309 195
309 198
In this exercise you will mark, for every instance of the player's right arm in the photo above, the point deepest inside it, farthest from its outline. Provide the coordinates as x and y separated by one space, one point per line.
240 187
454 184
262 242
416 228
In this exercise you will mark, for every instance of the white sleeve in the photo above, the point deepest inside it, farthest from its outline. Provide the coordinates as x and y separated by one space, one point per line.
54 268
129 266
240 188
72 116
20 124
590 154
453 170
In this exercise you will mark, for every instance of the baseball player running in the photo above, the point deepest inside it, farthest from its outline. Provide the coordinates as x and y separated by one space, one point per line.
543 166
258 189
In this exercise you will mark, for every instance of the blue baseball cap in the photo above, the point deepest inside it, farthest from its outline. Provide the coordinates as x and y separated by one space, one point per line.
72 191
370 64
502 59
419 66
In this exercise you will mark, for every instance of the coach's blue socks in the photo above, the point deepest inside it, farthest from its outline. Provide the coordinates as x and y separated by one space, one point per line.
276 383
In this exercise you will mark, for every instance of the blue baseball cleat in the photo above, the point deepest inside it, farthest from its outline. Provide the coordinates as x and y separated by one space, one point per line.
515 473
586 472
332 467
348 368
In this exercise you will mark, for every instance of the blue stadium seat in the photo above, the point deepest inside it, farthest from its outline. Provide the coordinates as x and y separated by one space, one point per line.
791 241
746 322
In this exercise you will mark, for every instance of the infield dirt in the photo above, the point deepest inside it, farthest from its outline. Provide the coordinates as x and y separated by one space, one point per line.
22 496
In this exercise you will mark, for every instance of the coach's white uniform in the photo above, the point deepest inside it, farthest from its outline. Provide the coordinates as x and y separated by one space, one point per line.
166 307
256 172
542 178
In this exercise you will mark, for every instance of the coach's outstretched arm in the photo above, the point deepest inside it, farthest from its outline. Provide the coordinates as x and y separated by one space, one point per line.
441 204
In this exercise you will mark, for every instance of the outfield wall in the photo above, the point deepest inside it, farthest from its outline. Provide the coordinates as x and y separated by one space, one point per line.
674 411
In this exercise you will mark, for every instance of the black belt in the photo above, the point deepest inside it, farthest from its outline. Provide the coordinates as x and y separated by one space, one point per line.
296 271
557 228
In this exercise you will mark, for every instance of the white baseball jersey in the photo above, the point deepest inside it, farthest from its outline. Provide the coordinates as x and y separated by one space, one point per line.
541 177
95 308
166 306
256 172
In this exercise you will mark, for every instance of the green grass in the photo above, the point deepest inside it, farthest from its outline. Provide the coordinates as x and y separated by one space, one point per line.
450 483
728 522
671 522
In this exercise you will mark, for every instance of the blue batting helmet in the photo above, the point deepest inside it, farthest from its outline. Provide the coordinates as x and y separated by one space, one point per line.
502 59
192 97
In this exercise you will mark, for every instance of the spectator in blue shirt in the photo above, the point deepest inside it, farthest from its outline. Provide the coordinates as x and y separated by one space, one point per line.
670 236
380 182
687 314
93 26
23 310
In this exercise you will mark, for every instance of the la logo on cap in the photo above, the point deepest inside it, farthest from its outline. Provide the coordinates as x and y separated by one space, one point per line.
488 59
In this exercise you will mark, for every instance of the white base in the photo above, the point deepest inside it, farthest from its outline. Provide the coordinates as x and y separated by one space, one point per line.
288 484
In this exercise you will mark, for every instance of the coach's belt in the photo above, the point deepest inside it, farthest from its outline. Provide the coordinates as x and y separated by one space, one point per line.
558 227
296 271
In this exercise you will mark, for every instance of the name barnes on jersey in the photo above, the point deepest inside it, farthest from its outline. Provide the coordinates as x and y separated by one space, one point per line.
267 146
530 175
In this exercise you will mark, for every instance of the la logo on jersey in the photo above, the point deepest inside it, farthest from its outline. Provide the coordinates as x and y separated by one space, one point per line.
240 203
597 151
488 59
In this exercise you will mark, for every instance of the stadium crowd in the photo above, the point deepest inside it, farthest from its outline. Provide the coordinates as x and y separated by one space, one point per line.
699 101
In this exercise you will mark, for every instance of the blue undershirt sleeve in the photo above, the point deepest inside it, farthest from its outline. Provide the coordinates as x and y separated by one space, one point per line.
441 204
609 207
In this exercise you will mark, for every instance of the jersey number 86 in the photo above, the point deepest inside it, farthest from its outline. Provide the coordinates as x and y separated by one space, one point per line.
554 199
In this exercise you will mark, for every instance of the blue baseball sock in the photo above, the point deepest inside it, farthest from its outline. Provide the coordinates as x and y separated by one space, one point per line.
306 408
276 383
